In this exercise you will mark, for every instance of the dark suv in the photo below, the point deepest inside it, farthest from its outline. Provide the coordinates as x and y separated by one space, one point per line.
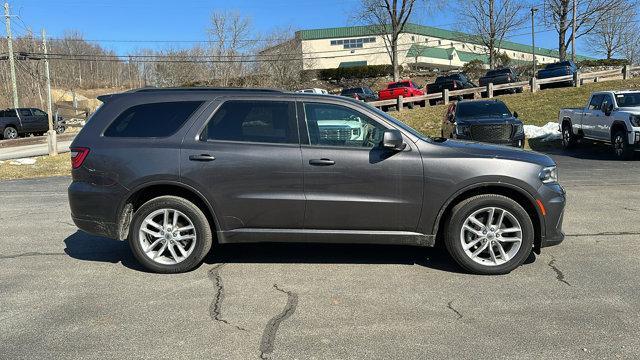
483 120
173 170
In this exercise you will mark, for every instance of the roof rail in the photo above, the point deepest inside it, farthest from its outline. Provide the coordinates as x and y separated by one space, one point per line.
212 89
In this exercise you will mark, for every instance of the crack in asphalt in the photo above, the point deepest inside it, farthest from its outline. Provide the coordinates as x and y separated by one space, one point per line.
215 308
606 233
270 330
31 254
559 273
450 306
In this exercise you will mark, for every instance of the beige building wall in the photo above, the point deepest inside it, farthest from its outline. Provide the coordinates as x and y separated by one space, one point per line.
320 54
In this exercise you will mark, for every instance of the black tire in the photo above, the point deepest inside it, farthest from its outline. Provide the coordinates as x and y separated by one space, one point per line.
10 133
410 105
384 108
466 208
621 147
568 137
423 103
200 223
433 102
60 129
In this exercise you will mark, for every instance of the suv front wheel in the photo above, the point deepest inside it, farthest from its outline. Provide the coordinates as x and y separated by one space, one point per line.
489 234
170 235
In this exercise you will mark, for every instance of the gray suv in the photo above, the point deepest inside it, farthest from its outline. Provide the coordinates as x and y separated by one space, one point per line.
176 170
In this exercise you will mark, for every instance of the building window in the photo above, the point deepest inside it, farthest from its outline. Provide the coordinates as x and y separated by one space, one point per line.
353 43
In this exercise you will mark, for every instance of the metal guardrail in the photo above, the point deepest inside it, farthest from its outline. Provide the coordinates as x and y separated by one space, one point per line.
533 85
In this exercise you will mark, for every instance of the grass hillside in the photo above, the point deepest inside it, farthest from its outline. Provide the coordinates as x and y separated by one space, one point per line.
534 109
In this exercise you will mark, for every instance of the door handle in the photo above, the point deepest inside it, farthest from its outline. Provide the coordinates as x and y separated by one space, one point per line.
321 162
202 157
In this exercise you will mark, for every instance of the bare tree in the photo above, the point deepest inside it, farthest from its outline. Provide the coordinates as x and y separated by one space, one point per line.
631 44
228 36
491 20
389 18
611 35
589 15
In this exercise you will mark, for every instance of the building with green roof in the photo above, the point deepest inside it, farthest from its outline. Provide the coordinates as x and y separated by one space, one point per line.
418 45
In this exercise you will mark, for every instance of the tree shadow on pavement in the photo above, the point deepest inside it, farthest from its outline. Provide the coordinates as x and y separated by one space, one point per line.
83 246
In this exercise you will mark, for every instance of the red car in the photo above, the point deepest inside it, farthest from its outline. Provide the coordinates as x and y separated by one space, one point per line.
406 88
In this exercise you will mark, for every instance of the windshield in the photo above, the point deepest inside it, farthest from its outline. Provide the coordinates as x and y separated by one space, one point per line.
351 91
628 99
480 109
397 122
398 85
558 65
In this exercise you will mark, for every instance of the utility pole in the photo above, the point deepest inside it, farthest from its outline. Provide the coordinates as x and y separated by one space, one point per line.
12 64
52 141
533 39
573 32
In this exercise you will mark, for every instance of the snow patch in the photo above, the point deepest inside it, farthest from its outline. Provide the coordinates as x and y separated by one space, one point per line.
23 161
548 132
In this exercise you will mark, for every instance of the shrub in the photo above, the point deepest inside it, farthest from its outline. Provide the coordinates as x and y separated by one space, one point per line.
356 72
603 62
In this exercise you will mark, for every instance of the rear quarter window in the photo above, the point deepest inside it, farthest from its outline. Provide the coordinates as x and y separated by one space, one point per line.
152 120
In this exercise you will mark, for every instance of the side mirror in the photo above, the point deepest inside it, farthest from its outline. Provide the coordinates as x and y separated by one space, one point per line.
608 109
515 114
392 140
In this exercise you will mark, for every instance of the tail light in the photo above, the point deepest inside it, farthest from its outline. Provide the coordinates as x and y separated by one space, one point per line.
455 84
78 154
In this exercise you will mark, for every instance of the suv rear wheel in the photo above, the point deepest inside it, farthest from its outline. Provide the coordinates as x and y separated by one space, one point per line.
489 234
170 235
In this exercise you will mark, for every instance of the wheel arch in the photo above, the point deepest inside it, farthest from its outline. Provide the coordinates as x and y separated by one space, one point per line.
618 126
153 190
519 195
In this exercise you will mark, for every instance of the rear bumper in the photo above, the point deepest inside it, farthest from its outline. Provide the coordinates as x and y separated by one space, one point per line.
94 207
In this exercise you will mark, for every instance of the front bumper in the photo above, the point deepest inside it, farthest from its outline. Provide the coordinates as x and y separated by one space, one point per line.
553 198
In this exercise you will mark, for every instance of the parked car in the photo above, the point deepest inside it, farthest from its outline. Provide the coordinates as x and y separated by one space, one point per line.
499 77
610 117
230 169
360 93
488 121
313 91
23 121
451 82
562 68
404 88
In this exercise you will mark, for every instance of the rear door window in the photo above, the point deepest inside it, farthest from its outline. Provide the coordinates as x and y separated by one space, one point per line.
25 112
38 112
254 121
152 120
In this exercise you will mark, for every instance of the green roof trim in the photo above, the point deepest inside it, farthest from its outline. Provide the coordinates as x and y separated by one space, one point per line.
350 64
369 30
430 52
466 56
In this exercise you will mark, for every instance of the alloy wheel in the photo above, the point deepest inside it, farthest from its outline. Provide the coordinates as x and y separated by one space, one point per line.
10 133
618 145
566 137
167 236
491 236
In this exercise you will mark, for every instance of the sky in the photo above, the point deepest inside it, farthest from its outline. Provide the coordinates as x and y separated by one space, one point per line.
175 23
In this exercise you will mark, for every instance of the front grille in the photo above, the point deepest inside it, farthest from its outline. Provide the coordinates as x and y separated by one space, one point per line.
491 132
335 133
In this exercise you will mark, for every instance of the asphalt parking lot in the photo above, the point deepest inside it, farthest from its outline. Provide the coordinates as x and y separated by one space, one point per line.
65 294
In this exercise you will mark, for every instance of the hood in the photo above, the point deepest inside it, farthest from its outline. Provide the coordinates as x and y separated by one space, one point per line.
631 110
484 150
489 120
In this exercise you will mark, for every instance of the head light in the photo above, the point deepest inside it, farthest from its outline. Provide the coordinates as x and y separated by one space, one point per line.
549 175
635 120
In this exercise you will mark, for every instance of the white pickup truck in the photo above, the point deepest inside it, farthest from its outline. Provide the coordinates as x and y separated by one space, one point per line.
612 117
